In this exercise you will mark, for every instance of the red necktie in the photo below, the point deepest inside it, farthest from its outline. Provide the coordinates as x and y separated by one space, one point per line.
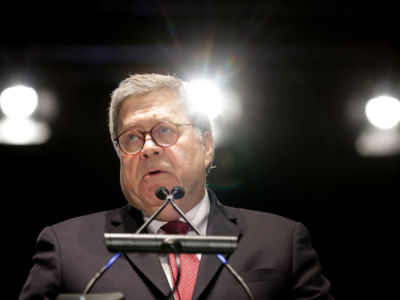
189 263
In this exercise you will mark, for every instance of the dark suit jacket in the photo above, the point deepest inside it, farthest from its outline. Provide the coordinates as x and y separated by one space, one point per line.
274 257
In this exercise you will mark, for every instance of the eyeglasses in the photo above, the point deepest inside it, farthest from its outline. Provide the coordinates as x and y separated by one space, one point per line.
132 141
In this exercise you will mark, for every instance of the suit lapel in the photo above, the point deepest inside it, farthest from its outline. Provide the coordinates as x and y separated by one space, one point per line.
219 223
150 266
128 220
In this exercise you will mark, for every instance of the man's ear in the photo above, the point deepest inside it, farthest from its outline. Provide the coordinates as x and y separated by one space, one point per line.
208 145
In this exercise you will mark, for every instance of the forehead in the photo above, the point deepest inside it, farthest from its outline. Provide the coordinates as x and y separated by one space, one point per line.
160 105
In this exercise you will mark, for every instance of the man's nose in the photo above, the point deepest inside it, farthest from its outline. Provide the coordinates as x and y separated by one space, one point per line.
150 148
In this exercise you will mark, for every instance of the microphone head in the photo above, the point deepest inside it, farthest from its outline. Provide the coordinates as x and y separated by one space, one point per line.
161 192
178 192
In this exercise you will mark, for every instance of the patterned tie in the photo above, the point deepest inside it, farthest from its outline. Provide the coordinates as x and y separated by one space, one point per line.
189 263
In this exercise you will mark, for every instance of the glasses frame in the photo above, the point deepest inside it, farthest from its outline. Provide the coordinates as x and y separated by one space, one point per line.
144 133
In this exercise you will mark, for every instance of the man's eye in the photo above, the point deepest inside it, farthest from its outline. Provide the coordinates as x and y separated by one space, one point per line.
132 138
165 130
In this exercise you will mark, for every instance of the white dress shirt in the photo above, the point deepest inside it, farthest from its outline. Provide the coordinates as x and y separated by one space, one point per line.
198 215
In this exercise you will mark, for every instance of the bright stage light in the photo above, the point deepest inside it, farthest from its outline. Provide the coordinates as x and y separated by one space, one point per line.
383 112
24 131
375 142
18 126
205 97
223 107
18 101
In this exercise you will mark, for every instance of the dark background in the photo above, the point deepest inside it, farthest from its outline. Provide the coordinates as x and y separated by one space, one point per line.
303 71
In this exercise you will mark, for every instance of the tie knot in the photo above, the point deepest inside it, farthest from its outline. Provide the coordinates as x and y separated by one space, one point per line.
176 227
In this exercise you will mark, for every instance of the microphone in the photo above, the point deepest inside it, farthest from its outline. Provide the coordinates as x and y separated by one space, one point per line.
178 192
158 243
161 193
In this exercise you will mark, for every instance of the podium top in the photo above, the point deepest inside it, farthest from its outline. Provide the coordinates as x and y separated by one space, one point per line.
103 296
161 243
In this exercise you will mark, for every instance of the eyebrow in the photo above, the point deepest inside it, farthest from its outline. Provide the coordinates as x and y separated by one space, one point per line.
136 126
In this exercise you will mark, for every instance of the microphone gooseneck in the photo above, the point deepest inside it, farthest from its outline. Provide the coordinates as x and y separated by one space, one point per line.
163 193
235 275
178 192
100 273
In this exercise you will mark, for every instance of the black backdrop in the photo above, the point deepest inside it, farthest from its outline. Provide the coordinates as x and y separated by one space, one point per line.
302 70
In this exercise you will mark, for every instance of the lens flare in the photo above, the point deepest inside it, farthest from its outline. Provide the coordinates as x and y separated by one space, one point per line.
205 97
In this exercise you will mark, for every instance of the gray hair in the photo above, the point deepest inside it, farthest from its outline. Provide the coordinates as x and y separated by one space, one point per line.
140 84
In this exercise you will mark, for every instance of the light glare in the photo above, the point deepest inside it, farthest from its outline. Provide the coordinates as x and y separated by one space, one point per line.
23 132
205 96
18 101
383 112
376 142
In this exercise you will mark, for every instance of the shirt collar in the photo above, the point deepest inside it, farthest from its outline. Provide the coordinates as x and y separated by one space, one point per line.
198 215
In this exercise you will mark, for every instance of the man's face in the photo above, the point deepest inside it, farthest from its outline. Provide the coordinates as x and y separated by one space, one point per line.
182 164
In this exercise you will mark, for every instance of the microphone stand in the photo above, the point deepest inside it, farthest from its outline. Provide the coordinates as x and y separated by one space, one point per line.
161 243
163 193
169 243
145 224
170 199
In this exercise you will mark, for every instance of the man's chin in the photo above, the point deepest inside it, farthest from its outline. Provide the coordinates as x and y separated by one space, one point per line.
149 186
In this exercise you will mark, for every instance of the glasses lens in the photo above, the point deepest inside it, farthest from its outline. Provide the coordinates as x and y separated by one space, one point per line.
165 134
131 141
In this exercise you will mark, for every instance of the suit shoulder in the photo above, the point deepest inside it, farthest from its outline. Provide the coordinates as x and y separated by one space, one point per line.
93 219
259 218
252 218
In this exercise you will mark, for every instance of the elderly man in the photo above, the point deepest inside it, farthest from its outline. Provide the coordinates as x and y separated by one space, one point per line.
161 142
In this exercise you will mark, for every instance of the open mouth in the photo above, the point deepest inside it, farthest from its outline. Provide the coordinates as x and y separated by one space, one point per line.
154 173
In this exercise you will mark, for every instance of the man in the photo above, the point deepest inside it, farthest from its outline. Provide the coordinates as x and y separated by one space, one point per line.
161 142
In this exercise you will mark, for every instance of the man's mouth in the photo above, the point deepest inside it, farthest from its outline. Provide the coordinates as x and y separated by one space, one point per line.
153 173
